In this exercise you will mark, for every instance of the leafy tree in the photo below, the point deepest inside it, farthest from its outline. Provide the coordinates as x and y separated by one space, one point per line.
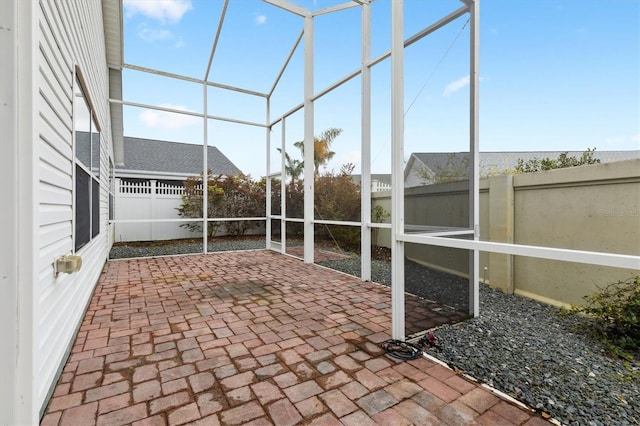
227 196
563 161
293 167
321 148
337 197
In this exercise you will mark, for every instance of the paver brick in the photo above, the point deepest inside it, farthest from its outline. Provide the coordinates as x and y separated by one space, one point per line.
439 389
359 418
266 392
201 382
479 399
310 407
410 410
106 391
123 416
284 413
456 413
403 389
242 414
376 402
511 413
391 417
338 403
302 391
157 420
114 403
168 402
177 372
239 396
86 381
185 414
82 414
90 365
145 372
174 386
369 379
238 380
460 384
208 404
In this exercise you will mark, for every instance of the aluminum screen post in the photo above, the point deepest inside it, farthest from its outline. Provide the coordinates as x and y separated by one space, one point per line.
474 150
365 148
397 170
309 177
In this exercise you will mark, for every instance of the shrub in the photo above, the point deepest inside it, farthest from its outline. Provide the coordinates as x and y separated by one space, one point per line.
615 311
228 196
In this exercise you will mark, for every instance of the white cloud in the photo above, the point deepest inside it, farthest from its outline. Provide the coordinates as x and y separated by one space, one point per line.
149 34
636 137
454 86
261 19
167 120
161 10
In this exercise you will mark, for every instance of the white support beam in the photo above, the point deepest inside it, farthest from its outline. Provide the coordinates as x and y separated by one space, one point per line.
286 63
335 8
155 107
290 7
193 80
551 253
365 147
162 73
397 170
192 113
10 215
205 174
233 120
423 33
267 207
283 190
309 186
474 154
25 26
214 45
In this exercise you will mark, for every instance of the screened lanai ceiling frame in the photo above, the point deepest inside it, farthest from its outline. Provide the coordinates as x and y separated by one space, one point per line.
399 235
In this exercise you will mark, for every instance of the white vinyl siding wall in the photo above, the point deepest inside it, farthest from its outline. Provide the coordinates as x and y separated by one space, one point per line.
71 34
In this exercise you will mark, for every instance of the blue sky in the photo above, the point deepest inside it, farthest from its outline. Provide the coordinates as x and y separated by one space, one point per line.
555 75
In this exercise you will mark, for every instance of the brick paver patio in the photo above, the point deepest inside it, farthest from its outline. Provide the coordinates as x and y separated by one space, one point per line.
252 338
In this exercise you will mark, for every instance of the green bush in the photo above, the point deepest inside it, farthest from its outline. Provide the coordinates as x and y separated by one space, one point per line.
227 196
615 311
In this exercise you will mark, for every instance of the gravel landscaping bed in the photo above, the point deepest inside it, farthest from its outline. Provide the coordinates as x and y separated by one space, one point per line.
529 351
521 347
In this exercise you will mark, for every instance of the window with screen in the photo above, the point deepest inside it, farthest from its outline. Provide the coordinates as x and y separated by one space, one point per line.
87 168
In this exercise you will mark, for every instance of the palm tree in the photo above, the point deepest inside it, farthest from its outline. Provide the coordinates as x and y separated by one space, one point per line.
293 167
321 148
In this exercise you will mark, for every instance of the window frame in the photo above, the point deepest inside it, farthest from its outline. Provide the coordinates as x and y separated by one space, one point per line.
91 173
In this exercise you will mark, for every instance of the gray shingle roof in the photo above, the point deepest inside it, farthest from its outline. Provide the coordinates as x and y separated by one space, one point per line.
152 155
499 161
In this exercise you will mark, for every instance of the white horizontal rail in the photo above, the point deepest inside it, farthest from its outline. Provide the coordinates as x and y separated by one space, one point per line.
196 219
336 222
567 255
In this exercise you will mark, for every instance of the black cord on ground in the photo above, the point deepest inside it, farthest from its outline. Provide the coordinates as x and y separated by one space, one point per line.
401 350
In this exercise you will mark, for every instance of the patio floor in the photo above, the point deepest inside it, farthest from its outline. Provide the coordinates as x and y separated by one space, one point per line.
252 338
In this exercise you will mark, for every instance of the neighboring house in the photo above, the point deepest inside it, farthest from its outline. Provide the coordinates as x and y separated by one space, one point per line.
61 63
424 168
146 159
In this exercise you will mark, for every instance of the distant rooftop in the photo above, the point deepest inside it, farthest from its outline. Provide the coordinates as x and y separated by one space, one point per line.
152 156
491 162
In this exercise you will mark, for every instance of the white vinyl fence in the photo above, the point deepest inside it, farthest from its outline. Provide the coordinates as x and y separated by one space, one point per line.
144 201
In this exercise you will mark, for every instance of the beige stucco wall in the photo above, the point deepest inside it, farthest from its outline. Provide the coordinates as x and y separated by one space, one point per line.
593 208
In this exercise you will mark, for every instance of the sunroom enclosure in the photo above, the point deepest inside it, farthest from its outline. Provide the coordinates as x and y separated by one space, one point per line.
464 239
